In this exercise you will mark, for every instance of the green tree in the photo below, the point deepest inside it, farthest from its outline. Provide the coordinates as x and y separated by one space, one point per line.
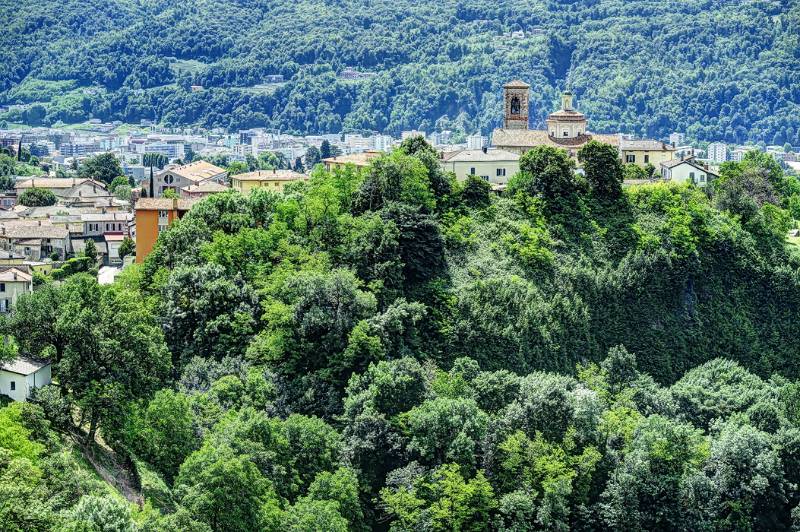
114 351
157 160
90 250
443 500
163 432
236 168
313 156
475 192
127 247
37 197
104 167
226 491
546 173
603 169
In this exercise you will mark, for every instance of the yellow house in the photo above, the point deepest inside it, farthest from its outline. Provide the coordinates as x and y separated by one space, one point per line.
644 152
273 180
359 160
492 165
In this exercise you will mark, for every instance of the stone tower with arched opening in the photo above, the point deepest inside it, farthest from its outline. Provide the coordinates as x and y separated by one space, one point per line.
515 100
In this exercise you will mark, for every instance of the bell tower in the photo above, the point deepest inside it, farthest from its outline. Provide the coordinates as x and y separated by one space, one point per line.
515 105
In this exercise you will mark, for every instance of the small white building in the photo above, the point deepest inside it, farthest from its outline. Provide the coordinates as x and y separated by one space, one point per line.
22 375
14 281
687 170
492 165
717 152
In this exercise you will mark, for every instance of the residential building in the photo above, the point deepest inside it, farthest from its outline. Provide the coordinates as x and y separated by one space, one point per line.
178 177
67 190
99 223
358 160
154 215
273 180
566 128
382 143
35 239
644 152
9 258
717 152
677 139
14 281
201 190
8 199
19 377
739 153
492 165
687 170
477 142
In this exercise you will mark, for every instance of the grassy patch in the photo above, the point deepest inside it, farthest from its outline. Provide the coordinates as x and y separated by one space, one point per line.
262 88
39 90
187 66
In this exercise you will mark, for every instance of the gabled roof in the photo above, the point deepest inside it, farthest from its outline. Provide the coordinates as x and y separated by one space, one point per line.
196 171
55 182
9 274
207 187
691 162
105 217
527 138
164 204
645 145
270 175
24 365
516 84
480 156
33 231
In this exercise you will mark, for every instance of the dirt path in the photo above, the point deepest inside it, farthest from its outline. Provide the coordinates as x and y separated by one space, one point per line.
111 468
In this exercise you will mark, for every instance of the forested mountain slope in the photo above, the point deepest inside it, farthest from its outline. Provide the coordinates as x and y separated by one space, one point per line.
713 68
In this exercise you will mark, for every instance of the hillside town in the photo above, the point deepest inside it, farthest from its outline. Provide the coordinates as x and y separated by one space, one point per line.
167 171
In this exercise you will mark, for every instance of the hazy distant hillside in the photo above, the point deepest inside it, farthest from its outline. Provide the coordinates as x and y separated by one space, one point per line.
714 68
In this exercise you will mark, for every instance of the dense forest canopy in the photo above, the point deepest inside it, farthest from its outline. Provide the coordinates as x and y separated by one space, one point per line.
715 69
390 349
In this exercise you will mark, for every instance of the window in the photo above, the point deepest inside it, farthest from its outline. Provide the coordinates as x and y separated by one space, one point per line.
630 158
13 385
646 158
168 179
691 177
702 178
566 134
162 228
501 172
163 214
552 133
472 171
515 106
2 287
485 177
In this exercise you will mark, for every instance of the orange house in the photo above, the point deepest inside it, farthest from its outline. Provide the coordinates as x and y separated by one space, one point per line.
154 215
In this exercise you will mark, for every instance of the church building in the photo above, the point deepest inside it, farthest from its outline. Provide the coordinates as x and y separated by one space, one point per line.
566 128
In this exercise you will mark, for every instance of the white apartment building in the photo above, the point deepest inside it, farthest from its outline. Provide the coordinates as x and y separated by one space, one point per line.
477 142
717 152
